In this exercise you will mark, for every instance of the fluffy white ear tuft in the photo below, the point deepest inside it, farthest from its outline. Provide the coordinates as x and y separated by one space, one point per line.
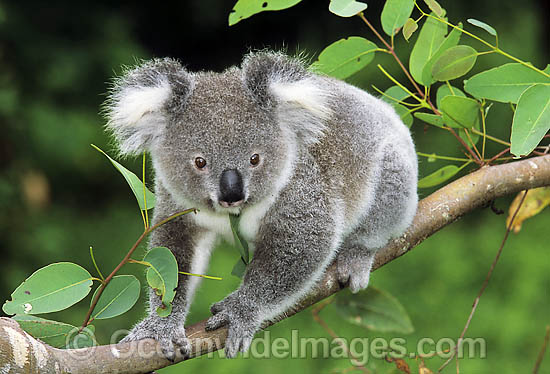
137 107
304 107
136 102
283 84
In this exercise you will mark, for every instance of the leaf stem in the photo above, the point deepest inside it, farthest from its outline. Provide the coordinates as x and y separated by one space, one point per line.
392 52
125 260
496 140
201 275
448 158
484 285
145 195
95 264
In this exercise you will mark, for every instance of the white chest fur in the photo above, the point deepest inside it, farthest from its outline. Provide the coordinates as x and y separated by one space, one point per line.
249 223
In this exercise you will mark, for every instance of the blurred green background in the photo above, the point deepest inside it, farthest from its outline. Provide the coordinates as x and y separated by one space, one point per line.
58 196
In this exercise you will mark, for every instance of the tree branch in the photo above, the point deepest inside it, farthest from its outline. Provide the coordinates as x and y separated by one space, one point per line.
20 353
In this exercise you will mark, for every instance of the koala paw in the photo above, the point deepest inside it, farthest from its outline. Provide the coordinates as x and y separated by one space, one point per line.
354 270
171 337
241 323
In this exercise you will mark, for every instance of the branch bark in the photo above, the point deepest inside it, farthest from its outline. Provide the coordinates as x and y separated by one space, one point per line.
20 353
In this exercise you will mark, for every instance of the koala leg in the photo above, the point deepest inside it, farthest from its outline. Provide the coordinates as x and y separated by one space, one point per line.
389 215
192 252
292 254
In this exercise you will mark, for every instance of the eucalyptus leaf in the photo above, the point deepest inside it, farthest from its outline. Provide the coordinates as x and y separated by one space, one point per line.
375 310
162 275
83 339
409 28
447 90
239 268
134 182
246 8
431 36
53 333
240 243
460 111
454 62
394 94
450 41
483 25
404 114
50 289
439 176
394 15
505 83
531 119
346 8
435 7
345 57
432 119
119 296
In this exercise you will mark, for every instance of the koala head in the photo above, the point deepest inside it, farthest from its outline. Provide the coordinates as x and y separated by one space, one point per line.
219 141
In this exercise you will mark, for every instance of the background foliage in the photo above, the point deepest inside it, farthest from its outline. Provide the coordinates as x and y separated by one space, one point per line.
58 196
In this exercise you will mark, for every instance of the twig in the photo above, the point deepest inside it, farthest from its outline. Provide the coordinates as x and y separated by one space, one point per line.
485 283
542 351
315 312
124 261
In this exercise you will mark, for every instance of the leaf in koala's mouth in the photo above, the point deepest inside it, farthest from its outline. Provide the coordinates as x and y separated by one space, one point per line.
242 246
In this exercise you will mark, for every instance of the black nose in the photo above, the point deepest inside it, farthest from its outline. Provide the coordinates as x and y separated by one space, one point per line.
231 187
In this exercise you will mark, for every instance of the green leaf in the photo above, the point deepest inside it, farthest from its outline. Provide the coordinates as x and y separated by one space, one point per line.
395 14
483 25
345 57
450 41
531 119
246 8
432 119
134 182
409 28
374 310
346 8
53 333
119 296
429 40
435 7
84 339
438 176
505 83
239 268
404 114
50 289
162 276
394 94
240 243
445 90
164 310
460 111
454 62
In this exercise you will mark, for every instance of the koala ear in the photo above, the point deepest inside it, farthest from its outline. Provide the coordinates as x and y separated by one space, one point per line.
140 101
283 84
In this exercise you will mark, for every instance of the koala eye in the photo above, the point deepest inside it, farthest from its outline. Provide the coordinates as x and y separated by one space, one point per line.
200 162
255 159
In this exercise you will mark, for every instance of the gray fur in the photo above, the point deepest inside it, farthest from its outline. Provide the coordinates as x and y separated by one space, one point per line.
336 180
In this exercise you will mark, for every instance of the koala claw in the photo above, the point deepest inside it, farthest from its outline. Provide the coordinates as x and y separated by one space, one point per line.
173 341
240 322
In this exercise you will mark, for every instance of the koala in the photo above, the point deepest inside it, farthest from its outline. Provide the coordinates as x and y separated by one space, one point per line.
317 170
